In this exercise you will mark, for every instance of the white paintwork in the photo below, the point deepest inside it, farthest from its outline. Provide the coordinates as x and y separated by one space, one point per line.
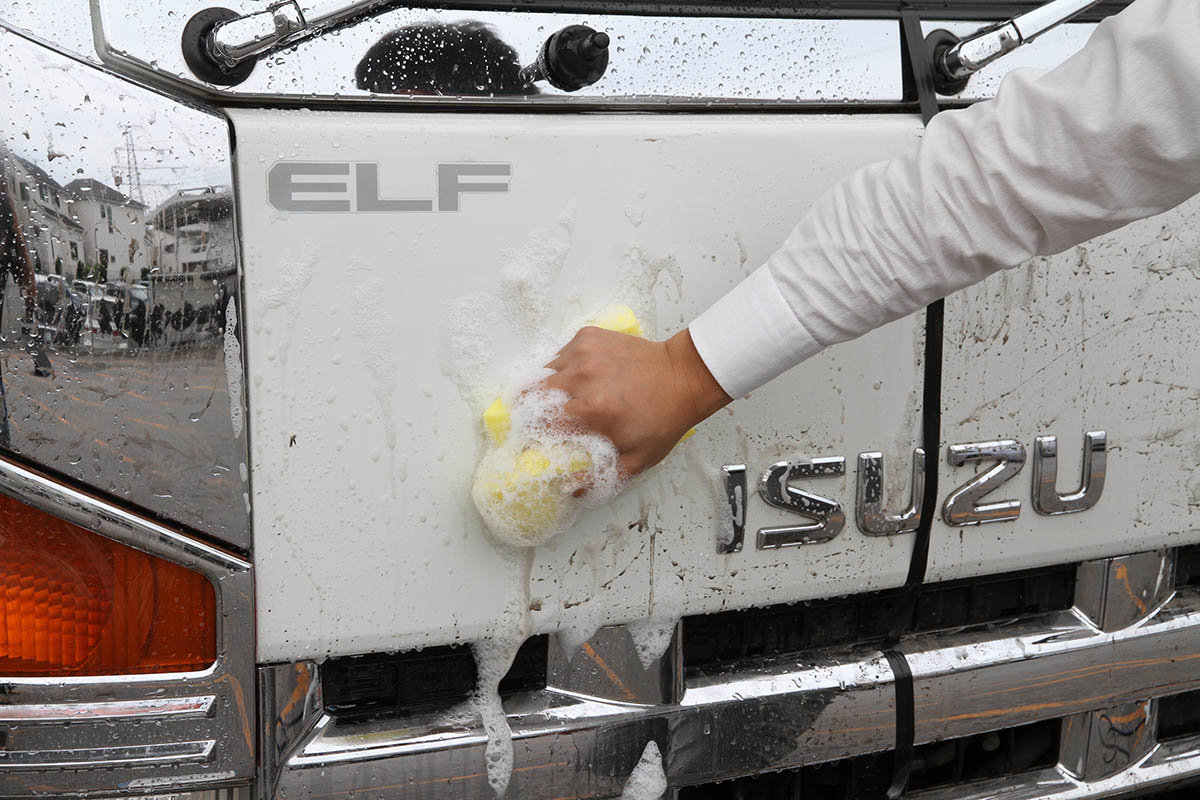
1102 337
360 547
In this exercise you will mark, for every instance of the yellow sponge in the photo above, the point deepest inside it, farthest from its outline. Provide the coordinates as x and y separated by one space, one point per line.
527 499
619 318
526 503
496 421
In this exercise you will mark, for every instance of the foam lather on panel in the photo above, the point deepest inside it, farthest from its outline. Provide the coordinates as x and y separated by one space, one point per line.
536 460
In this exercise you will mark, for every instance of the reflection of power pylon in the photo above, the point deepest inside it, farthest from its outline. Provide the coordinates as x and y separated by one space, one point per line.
130 161
132 169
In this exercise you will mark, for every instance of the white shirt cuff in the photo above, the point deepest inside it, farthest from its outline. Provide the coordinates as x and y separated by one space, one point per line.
751 335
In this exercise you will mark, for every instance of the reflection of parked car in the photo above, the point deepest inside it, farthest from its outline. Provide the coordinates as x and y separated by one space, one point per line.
61 311
135 317
89 289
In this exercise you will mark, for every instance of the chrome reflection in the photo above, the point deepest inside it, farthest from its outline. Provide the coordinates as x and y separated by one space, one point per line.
1047 52
1046 499
1115 593
827 515
1099 744
963 506
872 519
825 706
653 59
117 274
733 482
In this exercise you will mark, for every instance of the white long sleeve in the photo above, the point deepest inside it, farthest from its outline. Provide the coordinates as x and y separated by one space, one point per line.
1057 158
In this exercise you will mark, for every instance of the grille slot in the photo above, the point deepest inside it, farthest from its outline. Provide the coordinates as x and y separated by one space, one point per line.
938 764
715 641
1187 566
356 687
1179 715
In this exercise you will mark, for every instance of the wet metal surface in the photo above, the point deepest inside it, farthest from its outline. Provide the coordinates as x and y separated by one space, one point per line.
120 349
771 715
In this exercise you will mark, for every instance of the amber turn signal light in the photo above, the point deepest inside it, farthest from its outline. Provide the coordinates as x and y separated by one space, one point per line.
73 602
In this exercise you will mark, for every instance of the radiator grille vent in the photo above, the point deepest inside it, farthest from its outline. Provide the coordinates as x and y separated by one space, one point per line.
356 687
716 641
940 764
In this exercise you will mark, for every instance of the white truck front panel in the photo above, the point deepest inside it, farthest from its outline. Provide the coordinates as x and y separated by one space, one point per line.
349 334
1102 337
363 447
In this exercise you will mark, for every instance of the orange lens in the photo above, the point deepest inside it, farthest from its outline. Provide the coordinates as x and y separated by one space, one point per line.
75 603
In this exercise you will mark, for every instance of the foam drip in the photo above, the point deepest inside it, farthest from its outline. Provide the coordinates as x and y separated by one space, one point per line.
648 781
494 654
524 302
651 639
233 369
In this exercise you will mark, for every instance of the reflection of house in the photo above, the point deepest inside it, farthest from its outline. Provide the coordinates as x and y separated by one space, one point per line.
114 228
54 238
193 232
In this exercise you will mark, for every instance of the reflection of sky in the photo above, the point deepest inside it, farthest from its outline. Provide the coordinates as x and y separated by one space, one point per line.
750 58
812 59
71 122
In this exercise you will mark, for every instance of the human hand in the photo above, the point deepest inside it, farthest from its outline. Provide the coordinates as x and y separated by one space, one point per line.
642 395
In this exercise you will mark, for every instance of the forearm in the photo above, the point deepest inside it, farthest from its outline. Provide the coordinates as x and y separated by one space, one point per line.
1106 138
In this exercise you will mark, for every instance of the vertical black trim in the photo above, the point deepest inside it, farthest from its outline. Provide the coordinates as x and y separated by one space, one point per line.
918 74
902 758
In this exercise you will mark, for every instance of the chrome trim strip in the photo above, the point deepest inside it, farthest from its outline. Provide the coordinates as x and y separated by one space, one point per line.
768 717
108 757
157 60
1167 764
141 710
116 523
112 740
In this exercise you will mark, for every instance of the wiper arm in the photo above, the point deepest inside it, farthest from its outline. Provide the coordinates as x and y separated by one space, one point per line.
283 25
222 46
956 60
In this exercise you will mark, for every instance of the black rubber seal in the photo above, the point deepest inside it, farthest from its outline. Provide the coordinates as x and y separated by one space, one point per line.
937 43
195 49
919 79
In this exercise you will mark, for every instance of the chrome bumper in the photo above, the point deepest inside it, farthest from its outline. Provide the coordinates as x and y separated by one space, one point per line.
1167 764
790 714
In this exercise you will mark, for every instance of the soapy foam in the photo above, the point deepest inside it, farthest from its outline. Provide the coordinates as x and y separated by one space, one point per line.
233 369
524 292
528 277
492 659
494 654
584 623
524 487
466 350
648 781
468 356
651 639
